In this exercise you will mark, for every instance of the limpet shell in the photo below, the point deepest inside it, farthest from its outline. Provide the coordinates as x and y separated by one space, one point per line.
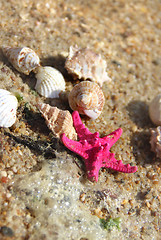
8 108
86 64
155 110
23 59
50 82
87 98
155 140
59 121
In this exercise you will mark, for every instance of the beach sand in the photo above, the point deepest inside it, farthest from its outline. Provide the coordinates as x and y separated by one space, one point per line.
45 194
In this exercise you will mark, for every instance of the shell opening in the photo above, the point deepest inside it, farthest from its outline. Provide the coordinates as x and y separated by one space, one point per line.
92 113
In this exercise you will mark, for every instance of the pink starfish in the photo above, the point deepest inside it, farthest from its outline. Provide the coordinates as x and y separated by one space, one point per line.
95 150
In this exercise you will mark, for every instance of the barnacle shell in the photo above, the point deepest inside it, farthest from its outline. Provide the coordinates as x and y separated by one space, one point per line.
8 108
85 64
50 82
23 59
59 121
87 98
155 141
155 110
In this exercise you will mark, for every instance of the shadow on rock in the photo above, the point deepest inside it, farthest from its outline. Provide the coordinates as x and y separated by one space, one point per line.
138 112
48 148
141 148
34 119
57 62
2 57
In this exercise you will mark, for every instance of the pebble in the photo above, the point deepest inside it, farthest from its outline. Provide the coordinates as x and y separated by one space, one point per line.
6 231
8 195
3 174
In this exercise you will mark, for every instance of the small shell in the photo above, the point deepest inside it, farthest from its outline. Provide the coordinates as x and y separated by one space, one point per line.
85 64
8 108
87 98
155 141
23 59
155 110
50 82
58 121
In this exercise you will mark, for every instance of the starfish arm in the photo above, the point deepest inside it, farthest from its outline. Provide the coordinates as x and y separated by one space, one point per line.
93 166
95 150
113 137
74 146
80 128
93 175
123 168
117 165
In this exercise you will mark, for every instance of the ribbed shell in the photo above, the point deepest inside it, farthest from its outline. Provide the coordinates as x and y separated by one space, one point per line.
85 64
50 82
59 121
87 98
23 59
155 141
155 110
8 108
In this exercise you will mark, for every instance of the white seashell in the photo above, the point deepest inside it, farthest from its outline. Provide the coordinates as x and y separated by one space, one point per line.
85 64
8 108
50 82
23 59
87 98
59 121
155 110
155 141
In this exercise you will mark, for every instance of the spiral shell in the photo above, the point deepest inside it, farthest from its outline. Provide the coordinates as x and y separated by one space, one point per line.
85 64
23 59
50 82
155 140
8 108
155 110
58 121
87 98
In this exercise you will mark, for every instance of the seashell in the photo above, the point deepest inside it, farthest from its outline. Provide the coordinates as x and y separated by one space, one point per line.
85 64
23 59
87 98
155 110
50 82
59 121
8 108
155 140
